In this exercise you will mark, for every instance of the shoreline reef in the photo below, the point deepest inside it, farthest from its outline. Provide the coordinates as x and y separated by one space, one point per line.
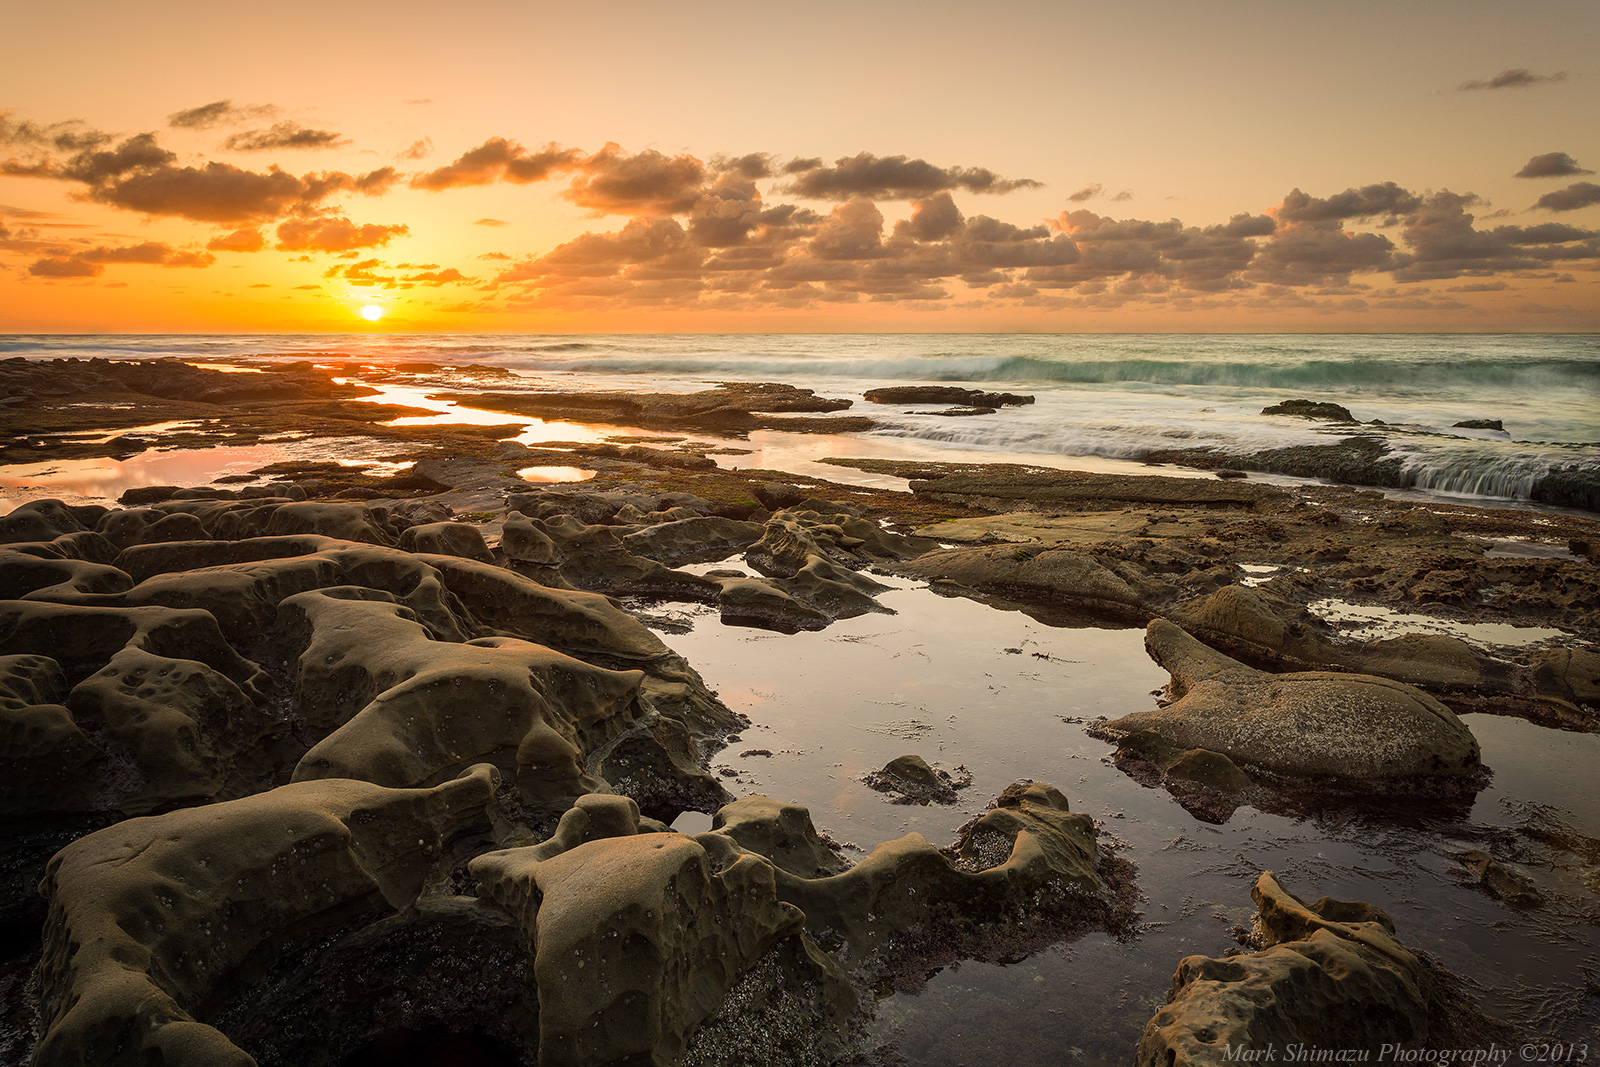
303 766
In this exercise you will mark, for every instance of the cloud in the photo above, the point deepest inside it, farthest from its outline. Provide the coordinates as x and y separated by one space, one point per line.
1551 165
1446 244
419 149
73 135
489 222
88 263
363 274
437 277
892 178
219 113
334 235
1514 78
1575 196
646 183
1370 201
283 135
65 267
498 159
1088 192
140 175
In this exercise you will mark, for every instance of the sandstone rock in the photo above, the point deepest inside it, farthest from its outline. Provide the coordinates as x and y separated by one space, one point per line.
637 937
153 917
45 520
694 540
942 394
1056 574
1331 975
448 539
1318 724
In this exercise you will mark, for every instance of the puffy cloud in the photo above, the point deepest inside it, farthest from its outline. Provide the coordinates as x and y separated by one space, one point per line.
853 230
246 240
219 113
646 183
283 135
892 178
1575 196
752 166
88 263
1515 78
419 149
498 159
935 219
334 235
375 182
1551 165
1370 201
65 267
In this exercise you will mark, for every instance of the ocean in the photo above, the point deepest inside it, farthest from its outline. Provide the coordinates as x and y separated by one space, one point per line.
1102 397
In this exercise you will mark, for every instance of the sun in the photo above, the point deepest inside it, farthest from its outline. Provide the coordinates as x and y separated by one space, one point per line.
372 313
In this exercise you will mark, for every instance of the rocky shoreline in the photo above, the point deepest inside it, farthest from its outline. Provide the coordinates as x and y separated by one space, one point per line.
307 765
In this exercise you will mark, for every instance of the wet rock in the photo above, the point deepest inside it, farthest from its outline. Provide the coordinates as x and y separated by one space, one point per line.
775 496
447 538
1502 881
45 520
1310 724
782 833
658 765
1311 409
637 937
1028 848
1057 574
1329 975
151 918
1011 489
695 540
914 782
943 394
1480 424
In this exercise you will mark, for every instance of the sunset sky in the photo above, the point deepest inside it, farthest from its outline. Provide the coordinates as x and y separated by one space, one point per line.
611 167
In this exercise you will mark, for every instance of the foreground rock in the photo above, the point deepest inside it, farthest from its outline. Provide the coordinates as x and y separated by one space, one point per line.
152 919
943 394
1312 724
1327 976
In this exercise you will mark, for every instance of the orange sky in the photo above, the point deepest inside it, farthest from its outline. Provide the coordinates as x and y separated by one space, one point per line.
892 166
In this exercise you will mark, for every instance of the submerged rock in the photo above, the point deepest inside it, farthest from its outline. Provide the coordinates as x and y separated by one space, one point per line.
1311 409
914 782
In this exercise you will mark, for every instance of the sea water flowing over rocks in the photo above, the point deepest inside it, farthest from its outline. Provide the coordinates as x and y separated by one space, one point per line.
378 750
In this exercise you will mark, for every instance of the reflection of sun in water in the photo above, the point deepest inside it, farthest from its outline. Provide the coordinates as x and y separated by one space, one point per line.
372 313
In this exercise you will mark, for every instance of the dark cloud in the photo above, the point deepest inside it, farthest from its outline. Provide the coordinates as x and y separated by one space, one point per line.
498 159
646 183
752 166
65 267
89 262
375 182
72 135
1088 192
892 178
334 235
1370 201
1122 196
935 219
283 135
1515 78
1575 196
1551 165
248 240
219 113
